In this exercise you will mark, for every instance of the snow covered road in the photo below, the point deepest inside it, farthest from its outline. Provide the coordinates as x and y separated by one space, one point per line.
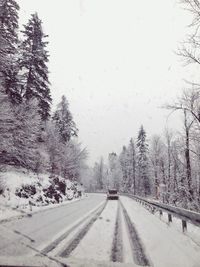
145 239
93 232
23 236
99 239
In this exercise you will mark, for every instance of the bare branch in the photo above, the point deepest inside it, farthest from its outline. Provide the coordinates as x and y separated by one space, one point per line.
189 55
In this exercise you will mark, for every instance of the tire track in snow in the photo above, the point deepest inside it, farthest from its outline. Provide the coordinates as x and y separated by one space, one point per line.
58 240
117 248
139 255
80 235
97 244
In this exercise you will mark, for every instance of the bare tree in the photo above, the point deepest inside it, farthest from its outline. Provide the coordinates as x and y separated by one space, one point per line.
188 104
190 49
187 125
156 155
168 137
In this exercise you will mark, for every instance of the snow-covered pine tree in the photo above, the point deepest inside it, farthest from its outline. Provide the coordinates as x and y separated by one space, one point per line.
114 172
65 159
8 30
144 186
64 121
123 159
8 48
132 166
2 41
33 65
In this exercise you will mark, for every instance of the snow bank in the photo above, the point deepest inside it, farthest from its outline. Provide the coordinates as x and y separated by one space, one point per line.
165 246
24 191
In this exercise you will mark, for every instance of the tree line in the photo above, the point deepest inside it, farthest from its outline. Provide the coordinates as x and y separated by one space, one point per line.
155 167
31 135
167 166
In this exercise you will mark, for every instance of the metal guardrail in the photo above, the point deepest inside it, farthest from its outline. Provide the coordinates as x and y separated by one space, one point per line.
183 214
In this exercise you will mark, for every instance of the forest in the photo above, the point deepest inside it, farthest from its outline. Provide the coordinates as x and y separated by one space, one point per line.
32 135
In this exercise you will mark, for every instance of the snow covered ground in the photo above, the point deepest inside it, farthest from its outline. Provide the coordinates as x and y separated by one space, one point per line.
57 262
7 212
193 231
165 245
13 179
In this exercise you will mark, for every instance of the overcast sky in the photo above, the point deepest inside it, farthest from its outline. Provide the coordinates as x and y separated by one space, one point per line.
115 62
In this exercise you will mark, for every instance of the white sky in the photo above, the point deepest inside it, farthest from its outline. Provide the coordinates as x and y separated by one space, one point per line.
115 62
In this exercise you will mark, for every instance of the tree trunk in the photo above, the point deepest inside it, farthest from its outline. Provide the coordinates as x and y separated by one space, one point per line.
187 155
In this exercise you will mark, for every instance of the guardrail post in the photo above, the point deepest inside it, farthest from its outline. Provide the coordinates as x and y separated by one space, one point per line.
184 225
30 205
169 217
153 210
161 213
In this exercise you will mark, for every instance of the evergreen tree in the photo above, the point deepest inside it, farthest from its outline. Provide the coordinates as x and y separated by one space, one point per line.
12 84
132 166
124 167
143 176
66 159
33 65
114 171
8 30
8 48
64 121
